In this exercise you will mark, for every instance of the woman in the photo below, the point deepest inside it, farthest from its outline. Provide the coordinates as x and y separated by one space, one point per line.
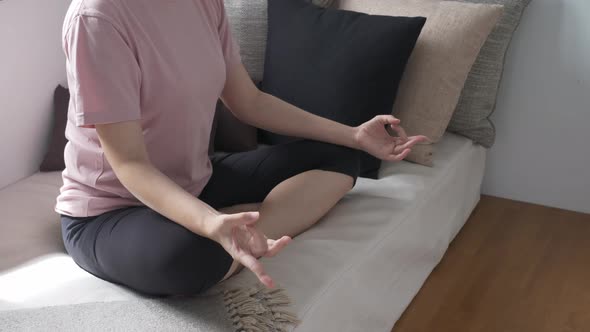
142 204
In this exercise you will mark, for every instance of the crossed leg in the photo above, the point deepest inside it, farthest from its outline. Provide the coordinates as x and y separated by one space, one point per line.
297 184
295 205
292 185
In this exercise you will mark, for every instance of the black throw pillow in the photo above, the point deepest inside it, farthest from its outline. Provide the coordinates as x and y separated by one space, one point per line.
341 65
54 158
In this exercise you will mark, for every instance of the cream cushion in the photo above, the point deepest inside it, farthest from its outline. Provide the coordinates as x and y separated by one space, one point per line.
437 69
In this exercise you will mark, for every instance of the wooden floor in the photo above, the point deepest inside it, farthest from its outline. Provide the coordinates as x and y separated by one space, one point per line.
515 267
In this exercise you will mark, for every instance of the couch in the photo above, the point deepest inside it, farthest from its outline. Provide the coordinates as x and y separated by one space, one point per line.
356 270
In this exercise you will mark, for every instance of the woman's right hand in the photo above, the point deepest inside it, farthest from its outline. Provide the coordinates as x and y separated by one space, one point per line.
237 235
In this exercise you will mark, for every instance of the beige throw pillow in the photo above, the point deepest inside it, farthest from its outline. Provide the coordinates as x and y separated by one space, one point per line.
437 69
478 98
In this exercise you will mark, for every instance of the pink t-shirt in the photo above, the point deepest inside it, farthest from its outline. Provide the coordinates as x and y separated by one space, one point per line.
163 63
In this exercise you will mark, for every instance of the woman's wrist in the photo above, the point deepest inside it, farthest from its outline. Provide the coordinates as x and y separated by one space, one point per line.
204 222
354 134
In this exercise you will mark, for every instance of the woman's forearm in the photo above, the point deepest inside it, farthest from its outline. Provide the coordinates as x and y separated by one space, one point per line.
163 195
125 150
273 114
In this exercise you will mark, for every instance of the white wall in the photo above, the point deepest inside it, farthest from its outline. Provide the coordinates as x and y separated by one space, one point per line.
542 153
31 66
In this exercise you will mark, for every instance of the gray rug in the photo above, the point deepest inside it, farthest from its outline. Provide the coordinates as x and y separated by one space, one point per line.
253 309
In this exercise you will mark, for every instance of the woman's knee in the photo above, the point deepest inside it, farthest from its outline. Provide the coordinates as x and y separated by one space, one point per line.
340 159
179 263
189 266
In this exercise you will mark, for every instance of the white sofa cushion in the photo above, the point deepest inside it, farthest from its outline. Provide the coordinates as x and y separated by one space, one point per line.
28 225
356 270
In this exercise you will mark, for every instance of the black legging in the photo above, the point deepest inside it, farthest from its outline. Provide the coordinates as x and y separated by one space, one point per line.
141 249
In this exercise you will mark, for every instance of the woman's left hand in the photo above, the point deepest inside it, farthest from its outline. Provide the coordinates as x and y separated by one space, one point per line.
372 137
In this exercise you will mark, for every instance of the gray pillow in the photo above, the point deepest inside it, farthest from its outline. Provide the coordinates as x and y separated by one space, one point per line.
478 98
248 19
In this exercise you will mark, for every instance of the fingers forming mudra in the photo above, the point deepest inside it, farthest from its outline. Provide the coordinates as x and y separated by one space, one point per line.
374 138
237 235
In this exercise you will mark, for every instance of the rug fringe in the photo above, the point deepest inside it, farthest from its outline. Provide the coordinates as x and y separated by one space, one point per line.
258 309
